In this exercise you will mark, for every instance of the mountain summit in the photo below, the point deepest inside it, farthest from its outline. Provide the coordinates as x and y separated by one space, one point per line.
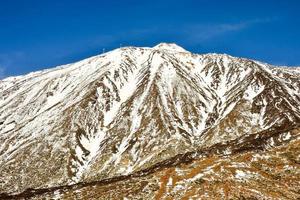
155 122
170 47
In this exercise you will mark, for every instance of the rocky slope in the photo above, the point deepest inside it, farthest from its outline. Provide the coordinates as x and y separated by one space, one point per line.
136 114
272 174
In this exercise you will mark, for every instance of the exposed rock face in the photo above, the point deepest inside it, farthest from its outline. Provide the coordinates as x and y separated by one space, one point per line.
160 120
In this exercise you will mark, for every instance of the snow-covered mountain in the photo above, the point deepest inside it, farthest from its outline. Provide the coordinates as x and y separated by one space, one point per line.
125 111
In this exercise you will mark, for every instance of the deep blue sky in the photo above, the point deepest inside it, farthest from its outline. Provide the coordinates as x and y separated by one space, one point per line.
37 34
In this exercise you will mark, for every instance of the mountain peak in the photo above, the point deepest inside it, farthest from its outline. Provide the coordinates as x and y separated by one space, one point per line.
122 116
169 47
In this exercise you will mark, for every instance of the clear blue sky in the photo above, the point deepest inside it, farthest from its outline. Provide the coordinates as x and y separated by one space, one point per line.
36 34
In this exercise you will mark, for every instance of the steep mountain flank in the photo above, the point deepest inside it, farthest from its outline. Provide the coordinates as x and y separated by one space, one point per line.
124 114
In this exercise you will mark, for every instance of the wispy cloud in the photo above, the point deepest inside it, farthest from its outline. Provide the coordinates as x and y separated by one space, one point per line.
9 60
2 72
191 33
206 32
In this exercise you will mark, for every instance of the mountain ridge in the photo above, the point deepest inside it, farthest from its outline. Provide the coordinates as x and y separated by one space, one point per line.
288 67
127 110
